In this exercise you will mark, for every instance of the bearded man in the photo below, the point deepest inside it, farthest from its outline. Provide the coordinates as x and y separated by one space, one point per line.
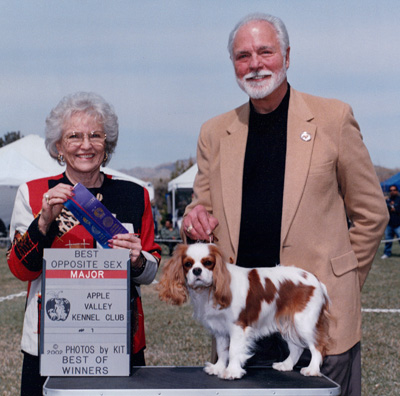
286 179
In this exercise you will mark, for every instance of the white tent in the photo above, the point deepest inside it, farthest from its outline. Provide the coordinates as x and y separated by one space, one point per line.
183 181
27 159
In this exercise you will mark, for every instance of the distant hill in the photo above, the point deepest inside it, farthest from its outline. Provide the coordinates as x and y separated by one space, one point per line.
164 171
385 173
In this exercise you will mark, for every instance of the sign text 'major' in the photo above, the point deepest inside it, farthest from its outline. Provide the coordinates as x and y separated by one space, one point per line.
86 274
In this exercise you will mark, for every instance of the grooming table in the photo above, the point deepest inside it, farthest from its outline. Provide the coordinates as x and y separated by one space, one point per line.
193 381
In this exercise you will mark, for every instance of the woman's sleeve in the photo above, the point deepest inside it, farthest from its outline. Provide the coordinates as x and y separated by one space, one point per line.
25 257
150 250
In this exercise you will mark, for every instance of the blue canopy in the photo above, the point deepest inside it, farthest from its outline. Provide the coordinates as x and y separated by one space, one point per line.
394 180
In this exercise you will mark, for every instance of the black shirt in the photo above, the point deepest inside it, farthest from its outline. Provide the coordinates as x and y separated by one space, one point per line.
263 180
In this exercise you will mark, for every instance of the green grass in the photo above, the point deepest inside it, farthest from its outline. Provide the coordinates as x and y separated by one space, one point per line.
11 317
174 338
381 341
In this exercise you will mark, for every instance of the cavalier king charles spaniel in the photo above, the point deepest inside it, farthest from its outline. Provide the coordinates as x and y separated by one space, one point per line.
241 305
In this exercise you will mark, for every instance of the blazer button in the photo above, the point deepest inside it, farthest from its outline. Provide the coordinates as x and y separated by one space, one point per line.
231 260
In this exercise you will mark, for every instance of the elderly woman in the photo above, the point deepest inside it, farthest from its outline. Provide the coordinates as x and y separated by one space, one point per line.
81 132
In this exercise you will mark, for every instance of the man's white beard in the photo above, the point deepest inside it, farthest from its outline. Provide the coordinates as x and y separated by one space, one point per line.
261 89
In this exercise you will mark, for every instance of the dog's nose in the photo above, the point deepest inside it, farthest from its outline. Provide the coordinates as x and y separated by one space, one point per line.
197 271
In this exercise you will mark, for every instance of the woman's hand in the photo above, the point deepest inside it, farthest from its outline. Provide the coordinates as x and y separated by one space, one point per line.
52 204
131 242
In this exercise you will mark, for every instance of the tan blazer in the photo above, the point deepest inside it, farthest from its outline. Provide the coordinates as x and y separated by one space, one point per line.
328 174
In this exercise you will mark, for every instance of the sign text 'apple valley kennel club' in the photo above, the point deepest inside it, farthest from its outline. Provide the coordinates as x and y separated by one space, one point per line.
85 315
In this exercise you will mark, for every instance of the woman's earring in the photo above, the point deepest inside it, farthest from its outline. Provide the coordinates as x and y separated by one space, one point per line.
60 159
105 158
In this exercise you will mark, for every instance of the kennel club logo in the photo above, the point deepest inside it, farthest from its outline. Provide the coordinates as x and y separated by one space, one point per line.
58 308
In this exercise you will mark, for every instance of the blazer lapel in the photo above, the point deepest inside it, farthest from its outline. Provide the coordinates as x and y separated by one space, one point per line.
232 151
298 159
300 142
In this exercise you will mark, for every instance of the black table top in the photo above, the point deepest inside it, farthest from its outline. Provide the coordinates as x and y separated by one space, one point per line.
194 381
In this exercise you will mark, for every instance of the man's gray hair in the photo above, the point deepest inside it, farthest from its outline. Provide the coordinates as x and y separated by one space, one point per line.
276 22
88 103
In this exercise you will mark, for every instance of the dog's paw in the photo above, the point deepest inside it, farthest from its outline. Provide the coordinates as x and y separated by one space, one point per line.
310 372
214 369
232 373
282 366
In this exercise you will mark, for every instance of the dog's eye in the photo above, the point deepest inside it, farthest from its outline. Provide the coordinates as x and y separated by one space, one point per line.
187 264
208 263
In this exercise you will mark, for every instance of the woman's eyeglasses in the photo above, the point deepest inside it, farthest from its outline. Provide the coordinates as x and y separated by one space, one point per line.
77 138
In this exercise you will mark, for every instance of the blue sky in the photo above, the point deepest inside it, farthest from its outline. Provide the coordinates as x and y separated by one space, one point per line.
165 68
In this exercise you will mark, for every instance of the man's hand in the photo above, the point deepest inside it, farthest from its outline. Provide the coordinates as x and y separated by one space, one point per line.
199 224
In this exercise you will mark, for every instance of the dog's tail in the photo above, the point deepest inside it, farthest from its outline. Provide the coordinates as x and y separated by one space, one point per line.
325 320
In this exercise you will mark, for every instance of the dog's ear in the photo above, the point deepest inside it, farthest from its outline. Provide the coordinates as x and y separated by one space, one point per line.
172 286
221 280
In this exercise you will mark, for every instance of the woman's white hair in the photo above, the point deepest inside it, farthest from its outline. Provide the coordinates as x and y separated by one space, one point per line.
276 22
81 102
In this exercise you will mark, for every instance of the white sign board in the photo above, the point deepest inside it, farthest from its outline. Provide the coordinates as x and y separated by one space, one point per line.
85 316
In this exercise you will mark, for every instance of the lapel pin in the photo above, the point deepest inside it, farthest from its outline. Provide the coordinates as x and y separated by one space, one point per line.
305 136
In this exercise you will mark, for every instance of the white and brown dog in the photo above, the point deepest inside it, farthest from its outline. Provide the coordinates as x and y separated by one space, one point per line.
240 305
